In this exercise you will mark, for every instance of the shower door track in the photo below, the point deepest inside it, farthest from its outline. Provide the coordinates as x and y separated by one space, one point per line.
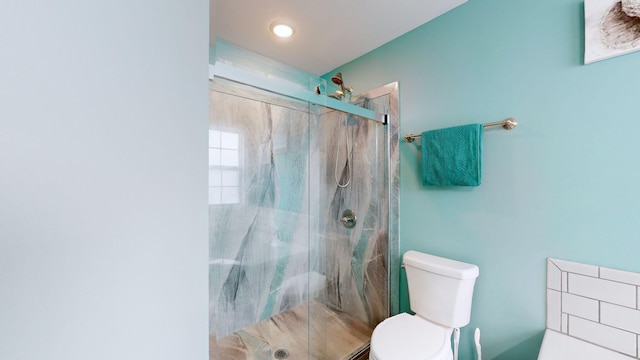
288 88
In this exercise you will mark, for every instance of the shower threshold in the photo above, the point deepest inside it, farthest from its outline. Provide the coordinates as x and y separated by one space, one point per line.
309 331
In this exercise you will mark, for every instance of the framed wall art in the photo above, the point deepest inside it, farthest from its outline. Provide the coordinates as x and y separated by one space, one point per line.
612 28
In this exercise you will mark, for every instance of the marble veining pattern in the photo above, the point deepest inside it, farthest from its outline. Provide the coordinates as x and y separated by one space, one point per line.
354 283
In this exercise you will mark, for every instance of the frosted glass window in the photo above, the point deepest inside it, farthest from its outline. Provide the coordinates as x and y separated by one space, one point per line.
230 195
229 157
215 195
215 177
230 178
229 140
225 167
214 157
214 139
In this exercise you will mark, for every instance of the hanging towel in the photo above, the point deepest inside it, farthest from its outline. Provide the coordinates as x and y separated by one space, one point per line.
452 156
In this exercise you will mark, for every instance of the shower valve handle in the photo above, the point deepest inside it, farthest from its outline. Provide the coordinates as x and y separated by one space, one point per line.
349 219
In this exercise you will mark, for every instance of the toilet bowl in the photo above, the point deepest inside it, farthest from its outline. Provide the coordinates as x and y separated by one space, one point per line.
440 293
409 337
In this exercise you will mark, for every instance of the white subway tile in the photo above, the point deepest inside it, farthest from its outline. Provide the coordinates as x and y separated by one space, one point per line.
620 317
564 281
553 276
620 276
605 290
605 336
554 309
577 268
580 306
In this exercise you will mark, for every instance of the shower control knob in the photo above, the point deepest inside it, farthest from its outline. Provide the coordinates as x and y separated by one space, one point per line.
349 219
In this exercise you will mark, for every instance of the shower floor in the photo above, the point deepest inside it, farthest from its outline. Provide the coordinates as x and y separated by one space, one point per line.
329 335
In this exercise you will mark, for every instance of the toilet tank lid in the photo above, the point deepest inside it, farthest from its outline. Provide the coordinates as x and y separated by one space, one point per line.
439 265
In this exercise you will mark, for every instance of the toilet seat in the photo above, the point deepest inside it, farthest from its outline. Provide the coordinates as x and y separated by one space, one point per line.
410 337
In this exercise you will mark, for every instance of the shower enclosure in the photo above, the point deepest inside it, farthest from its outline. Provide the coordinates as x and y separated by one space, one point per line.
303 221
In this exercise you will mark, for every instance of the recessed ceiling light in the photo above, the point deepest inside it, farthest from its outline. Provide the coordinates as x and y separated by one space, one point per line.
281 29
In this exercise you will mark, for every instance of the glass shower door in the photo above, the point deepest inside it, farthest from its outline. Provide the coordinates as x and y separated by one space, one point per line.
352 215
259 224
298 217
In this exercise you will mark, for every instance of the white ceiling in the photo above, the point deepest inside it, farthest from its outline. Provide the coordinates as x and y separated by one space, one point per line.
328 33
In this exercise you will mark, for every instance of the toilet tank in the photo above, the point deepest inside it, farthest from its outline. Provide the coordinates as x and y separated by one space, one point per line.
440 289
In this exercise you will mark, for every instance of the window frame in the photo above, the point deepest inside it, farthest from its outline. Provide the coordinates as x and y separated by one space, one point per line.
238 168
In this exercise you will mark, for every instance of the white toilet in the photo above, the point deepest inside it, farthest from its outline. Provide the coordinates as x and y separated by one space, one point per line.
440 293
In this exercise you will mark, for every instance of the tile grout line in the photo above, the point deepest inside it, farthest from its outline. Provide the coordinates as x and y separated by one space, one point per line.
561 306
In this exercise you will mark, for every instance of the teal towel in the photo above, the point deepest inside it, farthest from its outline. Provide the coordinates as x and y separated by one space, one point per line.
452 156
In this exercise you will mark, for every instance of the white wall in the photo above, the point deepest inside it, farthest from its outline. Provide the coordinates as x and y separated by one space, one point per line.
103 171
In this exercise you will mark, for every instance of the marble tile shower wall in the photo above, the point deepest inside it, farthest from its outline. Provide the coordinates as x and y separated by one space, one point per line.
596 304
356 258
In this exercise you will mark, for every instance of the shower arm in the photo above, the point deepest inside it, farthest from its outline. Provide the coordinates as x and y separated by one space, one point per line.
349 89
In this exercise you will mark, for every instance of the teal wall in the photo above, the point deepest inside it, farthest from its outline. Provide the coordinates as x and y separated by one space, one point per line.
562 184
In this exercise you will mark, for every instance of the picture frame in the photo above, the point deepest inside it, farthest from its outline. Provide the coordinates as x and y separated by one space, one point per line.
612 28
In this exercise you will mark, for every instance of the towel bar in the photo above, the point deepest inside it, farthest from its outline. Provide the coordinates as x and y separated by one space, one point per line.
508 124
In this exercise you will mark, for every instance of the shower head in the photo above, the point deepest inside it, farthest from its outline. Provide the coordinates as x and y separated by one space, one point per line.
337 79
